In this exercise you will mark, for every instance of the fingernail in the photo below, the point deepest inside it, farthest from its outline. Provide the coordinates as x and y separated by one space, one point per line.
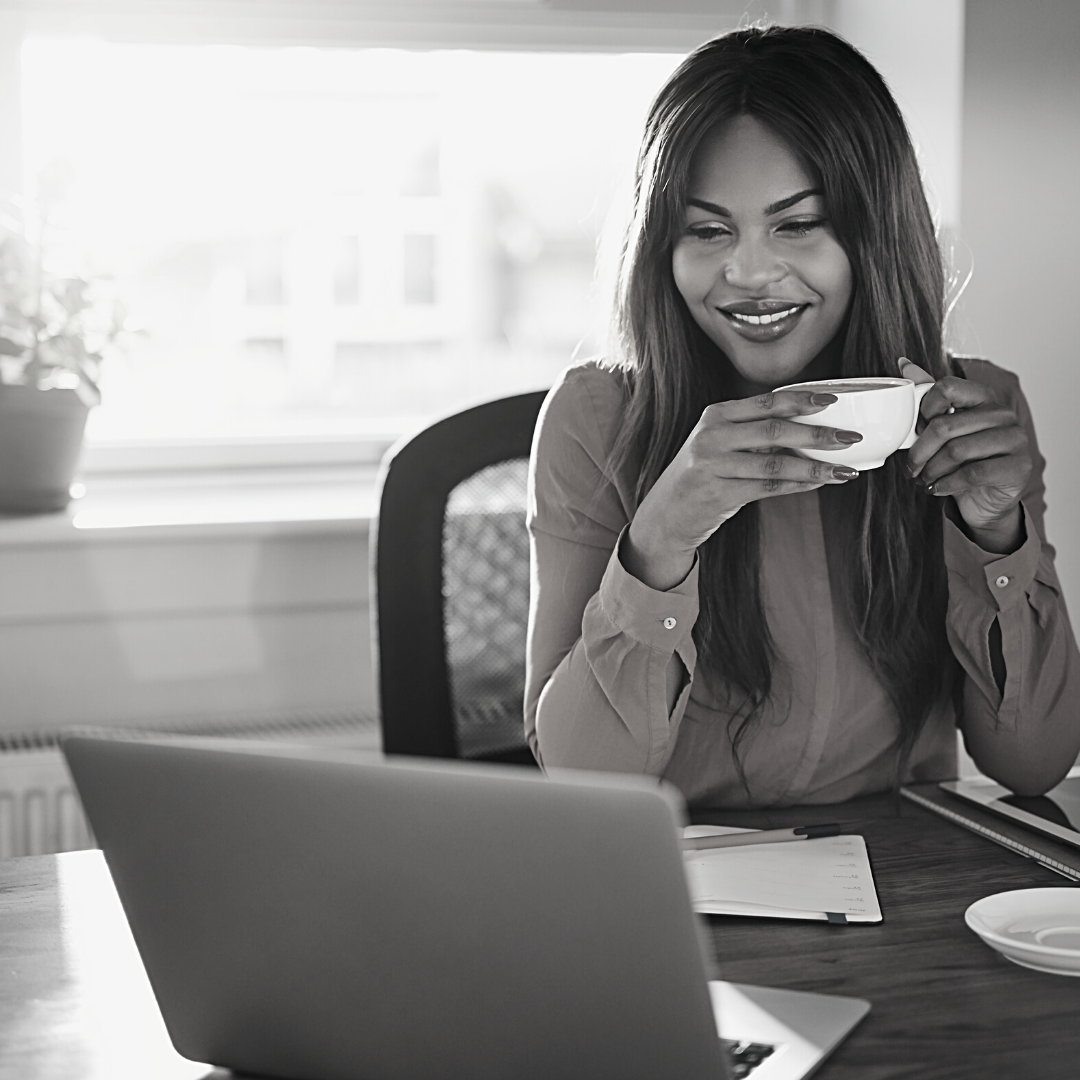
930 489
822 399
843 472
848 437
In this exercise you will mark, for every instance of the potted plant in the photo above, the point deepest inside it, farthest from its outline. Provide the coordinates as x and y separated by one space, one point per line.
55 329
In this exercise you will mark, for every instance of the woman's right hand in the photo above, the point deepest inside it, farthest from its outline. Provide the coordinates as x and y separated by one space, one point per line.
740 451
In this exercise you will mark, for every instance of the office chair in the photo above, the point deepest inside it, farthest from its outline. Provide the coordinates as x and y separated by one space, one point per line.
450 575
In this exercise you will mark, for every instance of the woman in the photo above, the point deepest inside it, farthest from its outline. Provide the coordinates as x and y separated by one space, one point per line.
758 628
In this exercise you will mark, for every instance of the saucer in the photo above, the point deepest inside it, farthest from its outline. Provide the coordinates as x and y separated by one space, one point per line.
1036 928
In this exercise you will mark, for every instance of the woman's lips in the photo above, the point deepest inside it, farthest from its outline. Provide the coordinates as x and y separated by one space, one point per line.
766 324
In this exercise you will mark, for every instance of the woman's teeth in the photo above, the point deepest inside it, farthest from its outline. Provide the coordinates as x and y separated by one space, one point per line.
757 320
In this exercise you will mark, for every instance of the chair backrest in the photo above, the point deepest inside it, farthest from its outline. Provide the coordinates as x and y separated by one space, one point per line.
450 576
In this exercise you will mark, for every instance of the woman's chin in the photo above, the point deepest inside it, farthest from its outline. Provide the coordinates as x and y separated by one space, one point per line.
763 369
759 378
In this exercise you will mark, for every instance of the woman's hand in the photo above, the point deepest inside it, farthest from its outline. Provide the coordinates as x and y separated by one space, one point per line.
974 449
740 451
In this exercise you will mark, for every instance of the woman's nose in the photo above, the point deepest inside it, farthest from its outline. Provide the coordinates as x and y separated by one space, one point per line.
751 264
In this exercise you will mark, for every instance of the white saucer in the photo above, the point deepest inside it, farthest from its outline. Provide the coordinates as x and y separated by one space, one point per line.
1036 928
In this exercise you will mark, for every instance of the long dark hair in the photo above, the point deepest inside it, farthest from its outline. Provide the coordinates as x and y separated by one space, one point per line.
834 111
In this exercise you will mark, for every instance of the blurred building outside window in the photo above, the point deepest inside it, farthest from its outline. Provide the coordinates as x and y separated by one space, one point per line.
332 242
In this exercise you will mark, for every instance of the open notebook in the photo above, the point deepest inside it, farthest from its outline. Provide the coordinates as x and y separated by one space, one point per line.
826 879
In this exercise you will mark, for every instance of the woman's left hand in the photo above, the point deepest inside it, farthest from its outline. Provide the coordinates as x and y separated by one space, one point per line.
972 448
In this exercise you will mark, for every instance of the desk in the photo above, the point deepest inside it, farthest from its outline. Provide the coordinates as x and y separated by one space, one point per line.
75 1005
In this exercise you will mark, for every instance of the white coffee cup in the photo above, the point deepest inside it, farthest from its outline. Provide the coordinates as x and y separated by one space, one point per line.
883 410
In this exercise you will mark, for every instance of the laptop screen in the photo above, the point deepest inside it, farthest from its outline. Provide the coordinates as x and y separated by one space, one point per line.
1059 806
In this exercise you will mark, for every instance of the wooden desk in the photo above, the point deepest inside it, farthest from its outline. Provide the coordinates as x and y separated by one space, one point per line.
75 1005
945 1006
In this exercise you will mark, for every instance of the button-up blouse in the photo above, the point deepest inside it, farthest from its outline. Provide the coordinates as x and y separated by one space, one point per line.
600 640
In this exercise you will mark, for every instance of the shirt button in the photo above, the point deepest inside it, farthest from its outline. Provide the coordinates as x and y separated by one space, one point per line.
669 623
1002 582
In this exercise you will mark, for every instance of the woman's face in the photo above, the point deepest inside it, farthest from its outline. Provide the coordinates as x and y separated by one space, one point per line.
756 259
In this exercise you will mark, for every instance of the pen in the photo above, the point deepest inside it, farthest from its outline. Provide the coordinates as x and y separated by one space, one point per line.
766 836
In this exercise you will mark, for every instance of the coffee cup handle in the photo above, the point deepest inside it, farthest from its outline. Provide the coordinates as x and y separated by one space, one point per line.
920 390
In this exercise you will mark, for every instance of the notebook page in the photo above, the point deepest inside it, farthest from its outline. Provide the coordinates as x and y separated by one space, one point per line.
801 877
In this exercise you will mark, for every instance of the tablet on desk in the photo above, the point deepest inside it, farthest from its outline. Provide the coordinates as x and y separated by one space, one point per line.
1057 813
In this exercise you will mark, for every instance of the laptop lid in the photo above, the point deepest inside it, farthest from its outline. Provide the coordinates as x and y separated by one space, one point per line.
1055 813
307 915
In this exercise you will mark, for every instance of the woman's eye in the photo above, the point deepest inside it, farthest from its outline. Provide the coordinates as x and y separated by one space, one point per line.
707 230
803 227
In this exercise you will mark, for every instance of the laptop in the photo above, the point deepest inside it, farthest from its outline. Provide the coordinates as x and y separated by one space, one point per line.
323 916
1057 813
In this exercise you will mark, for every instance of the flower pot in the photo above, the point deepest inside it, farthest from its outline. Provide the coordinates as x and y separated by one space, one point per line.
41 434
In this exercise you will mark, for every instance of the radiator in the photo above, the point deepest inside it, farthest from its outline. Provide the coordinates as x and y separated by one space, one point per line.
40 813
39 810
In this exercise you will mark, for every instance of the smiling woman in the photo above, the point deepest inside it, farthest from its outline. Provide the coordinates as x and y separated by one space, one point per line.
758 627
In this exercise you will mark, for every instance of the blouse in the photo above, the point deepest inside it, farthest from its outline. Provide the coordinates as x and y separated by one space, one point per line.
600 641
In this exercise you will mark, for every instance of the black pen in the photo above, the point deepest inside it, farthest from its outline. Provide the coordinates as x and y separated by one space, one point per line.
766 836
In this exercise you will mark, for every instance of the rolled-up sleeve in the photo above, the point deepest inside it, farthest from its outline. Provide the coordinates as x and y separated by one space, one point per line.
1025 734
600 641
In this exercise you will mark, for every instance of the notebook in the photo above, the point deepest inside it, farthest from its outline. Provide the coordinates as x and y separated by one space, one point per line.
828 879
326 914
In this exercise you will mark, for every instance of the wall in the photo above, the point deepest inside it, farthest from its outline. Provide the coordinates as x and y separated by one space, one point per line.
1021 163
918 45
240 625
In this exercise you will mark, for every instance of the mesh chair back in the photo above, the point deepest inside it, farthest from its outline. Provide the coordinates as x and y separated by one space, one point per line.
450 561
486 606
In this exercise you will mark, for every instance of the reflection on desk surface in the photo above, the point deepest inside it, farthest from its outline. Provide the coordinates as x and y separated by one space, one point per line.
86 1011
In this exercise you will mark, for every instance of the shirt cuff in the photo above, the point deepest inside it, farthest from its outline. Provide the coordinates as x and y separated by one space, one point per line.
660 620
998 580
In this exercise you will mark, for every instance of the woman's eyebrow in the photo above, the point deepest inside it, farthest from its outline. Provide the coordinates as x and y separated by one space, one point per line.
791 200
772 208
701 204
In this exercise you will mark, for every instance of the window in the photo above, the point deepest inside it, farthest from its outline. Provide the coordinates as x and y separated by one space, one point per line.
333 241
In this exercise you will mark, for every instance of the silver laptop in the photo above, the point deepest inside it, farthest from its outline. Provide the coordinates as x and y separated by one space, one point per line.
312 915
1055 813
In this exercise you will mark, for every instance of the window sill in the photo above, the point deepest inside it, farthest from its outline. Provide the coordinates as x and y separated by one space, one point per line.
212 504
